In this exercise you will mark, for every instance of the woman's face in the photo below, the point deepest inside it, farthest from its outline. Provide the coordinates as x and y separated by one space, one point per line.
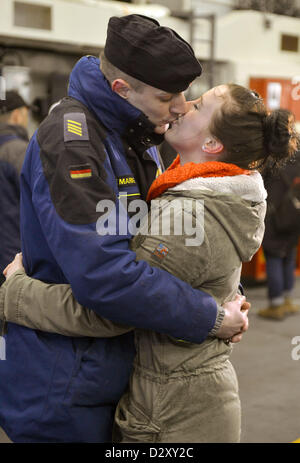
191 130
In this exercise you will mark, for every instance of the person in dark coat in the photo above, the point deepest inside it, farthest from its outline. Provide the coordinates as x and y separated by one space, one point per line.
13 129
9 210
13 145
280 246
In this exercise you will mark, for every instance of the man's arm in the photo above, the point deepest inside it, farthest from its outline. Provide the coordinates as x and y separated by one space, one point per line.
102 270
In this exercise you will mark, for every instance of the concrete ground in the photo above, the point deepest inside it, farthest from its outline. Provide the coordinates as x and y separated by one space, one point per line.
269 377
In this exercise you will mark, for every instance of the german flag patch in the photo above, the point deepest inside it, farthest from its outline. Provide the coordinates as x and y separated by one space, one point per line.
81 171
75 127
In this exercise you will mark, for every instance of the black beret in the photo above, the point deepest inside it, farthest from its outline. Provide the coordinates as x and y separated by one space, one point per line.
12 101
153 54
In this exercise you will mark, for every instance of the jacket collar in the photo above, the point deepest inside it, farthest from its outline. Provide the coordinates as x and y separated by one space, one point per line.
88 85
18 130
177 174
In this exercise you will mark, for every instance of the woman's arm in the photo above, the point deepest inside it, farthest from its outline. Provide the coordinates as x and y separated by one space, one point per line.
52 308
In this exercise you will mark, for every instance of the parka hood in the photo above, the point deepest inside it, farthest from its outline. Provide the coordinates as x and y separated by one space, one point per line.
238 203
12 129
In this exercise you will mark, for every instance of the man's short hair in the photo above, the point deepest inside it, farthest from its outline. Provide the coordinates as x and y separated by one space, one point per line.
112 73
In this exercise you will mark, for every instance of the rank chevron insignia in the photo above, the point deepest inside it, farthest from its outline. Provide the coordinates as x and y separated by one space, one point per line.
74 127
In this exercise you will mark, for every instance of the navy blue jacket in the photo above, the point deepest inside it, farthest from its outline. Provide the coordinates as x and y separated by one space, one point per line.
13 143
10 242
59 389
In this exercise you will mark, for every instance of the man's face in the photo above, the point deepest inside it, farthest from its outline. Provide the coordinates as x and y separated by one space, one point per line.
159 106
19 116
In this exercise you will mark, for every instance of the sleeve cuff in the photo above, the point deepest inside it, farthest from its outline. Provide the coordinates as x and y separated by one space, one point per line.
218 323
11 304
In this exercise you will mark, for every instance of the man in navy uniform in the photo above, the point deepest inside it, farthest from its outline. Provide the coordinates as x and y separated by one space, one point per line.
59 389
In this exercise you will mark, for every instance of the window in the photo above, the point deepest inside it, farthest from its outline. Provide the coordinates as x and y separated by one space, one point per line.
289 43
32 15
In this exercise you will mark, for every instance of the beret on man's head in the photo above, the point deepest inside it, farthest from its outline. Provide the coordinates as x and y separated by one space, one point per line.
153 54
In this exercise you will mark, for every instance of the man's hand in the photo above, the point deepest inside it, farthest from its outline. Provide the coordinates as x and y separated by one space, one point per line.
16 264
235 322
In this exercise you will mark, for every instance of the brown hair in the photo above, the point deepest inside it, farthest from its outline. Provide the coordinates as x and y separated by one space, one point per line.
111 73
250 134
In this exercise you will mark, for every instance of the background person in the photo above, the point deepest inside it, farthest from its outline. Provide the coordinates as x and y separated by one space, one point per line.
10 241
281 238
183 392
13 129
13 144
103 132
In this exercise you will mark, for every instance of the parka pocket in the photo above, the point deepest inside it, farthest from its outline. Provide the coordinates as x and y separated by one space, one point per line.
132 424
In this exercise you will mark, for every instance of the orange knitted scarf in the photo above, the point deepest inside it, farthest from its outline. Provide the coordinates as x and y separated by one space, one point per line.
176 174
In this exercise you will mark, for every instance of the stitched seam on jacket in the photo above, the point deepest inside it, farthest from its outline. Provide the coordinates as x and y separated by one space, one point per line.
19 317
174 376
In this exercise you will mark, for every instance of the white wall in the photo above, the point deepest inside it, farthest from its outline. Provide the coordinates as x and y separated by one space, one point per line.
255 50
242 40
78 22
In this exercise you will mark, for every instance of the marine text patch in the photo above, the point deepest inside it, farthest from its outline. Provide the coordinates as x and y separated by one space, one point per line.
126 181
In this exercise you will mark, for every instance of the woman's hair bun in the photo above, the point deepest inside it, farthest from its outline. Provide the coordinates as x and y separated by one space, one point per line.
280 137
251 135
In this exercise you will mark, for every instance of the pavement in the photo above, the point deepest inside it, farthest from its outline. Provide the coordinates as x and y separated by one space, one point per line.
267 362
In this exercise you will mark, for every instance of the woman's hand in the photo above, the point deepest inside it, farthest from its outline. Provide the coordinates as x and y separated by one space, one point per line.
16 264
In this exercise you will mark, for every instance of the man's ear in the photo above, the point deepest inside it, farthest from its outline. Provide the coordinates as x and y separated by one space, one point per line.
212 146
121 87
